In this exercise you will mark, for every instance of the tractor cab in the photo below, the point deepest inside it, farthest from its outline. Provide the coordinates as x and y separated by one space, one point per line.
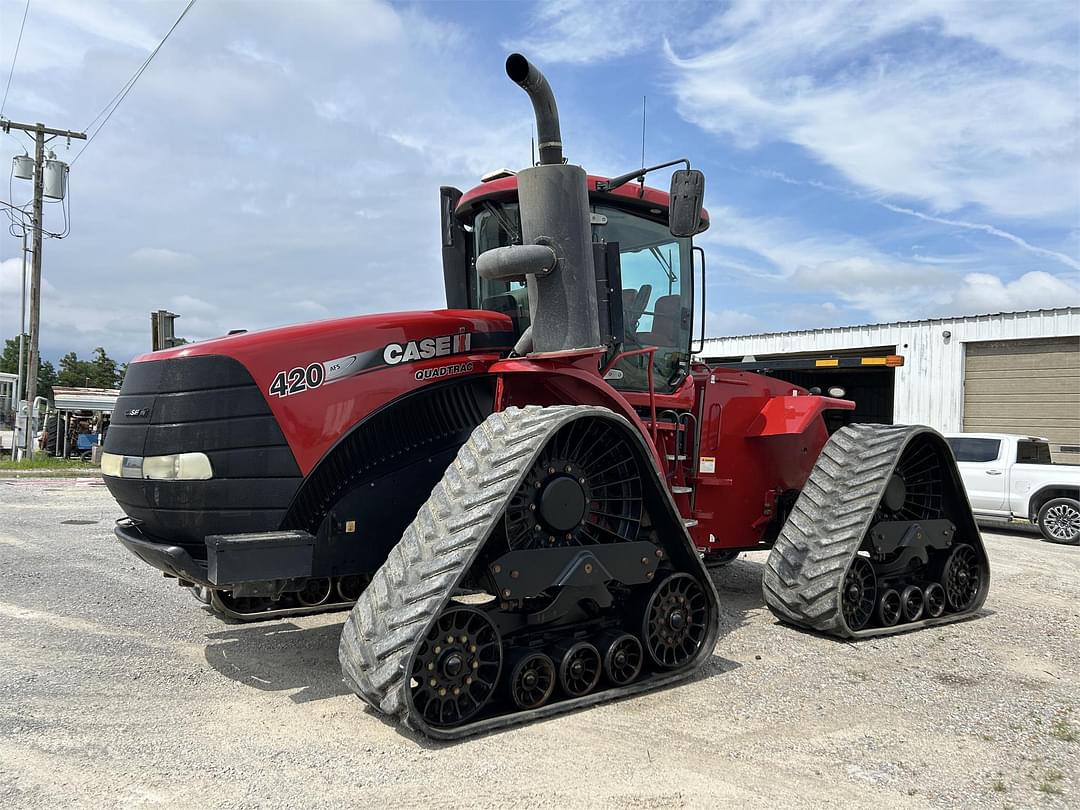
656 282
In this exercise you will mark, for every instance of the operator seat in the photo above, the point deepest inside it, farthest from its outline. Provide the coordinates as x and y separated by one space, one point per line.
665 322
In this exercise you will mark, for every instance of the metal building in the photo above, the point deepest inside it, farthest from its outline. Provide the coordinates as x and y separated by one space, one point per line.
1010 372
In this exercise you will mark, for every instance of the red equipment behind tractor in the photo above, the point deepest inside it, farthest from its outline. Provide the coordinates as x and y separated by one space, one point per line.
518 496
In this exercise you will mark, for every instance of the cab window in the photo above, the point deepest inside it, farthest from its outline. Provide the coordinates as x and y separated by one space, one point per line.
656 268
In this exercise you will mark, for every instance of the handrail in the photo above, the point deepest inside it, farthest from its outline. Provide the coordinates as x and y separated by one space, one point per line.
651 351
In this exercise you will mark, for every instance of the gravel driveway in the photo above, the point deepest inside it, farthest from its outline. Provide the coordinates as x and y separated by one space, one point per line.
116 687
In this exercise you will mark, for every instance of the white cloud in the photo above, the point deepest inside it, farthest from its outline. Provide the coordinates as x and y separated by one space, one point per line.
983 292
953 103
581 32
781 260
162 258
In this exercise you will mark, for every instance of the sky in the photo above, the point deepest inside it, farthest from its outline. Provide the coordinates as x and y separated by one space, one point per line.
280 161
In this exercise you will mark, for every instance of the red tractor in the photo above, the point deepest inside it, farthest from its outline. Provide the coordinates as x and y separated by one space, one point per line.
519 496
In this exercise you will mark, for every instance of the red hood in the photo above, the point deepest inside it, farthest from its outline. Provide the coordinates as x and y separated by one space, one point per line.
366 362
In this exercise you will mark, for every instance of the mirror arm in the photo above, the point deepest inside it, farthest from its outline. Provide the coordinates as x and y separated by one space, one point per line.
637 174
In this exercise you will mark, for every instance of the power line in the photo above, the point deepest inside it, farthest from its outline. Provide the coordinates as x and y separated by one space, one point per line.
121 94
15 57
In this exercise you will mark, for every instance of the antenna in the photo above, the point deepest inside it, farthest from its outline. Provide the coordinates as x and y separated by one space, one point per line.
641 180
643 132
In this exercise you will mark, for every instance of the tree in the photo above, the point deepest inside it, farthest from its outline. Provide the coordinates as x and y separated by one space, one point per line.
101 372
9 362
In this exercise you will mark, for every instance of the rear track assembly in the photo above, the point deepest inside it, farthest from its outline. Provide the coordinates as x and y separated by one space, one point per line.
881 539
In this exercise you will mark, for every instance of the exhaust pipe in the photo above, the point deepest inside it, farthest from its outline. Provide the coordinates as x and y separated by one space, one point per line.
532 81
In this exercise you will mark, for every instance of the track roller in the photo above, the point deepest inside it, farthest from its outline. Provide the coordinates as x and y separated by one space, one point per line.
579 668
532 680
884 508
315 591
890 608
623 658
912 601
934 599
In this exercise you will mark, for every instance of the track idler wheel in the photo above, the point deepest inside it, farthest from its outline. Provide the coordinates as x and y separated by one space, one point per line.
457 666
623 658
858 596
579 669
962 577
676 620
315 591
913 601
890 608
934 599
532 680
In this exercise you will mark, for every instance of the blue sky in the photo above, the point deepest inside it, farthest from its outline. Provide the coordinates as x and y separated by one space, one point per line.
280 162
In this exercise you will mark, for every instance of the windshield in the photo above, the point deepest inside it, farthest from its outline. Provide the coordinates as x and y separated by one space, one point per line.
656 289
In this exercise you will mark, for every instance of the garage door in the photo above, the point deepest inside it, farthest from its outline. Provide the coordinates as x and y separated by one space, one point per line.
1026 386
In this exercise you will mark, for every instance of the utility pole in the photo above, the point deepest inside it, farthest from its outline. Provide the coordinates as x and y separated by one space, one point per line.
39 131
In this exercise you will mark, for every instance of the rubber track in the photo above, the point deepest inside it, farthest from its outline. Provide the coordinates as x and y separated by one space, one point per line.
415 583
805 570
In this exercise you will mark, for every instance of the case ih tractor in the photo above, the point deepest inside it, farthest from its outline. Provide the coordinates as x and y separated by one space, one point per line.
519 497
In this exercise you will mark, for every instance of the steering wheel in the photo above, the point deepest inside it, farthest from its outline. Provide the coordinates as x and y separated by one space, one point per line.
637 308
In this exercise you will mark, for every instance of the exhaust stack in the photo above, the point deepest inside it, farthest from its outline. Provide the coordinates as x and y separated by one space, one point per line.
555 257
532 81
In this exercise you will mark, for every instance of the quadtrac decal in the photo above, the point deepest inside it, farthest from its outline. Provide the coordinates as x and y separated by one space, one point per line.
305 378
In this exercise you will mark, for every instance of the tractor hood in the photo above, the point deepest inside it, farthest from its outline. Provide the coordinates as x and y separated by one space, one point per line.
316 379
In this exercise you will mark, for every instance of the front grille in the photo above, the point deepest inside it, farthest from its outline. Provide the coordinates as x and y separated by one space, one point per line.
207 404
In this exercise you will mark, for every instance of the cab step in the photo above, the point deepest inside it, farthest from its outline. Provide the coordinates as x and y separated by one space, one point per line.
689 523
681 490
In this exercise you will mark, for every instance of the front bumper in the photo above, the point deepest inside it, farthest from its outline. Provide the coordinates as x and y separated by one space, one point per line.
173 560
259 558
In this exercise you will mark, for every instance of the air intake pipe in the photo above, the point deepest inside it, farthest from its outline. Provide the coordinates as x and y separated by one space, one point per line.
555 257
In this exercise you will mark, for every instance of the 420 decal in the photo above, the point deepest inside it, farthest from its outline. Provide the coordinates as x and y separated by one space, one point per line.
296 380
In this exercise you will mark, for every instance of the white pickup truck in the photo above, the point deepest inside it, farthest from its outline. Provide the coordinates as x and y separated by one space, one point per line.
1009 477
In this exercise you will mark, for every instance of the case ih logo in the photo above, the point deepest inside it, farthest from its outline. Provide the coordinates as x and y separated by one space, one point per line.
427 348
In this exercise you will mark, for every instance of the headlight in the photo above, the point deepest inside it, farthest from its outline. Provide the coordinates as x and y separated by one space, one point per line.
176 467
179 467
111 464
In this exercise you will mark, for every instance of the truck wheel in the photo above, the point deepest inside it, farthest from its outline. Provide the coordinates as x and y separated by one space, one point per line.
1059 521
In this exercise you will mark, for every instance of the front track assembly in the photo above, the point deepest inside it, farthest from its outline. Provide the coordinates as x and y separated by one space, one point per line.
549 570
881 539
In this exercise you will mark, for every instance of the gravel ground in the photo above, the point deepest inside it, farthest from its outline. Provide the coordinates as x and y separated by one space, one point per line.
117 688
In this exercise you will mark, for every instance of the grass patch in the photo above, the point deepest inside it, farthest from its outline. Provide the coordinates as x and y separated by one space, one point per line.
1063 730
1050 783
999 786
44 463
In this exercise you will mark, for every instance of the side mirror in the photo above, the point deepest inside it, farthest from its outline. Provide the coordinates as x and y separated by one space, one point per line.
686 200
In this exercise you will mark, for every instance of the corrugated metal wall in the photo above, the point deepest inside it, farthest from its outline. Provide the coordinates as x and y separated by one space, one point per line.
930 385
